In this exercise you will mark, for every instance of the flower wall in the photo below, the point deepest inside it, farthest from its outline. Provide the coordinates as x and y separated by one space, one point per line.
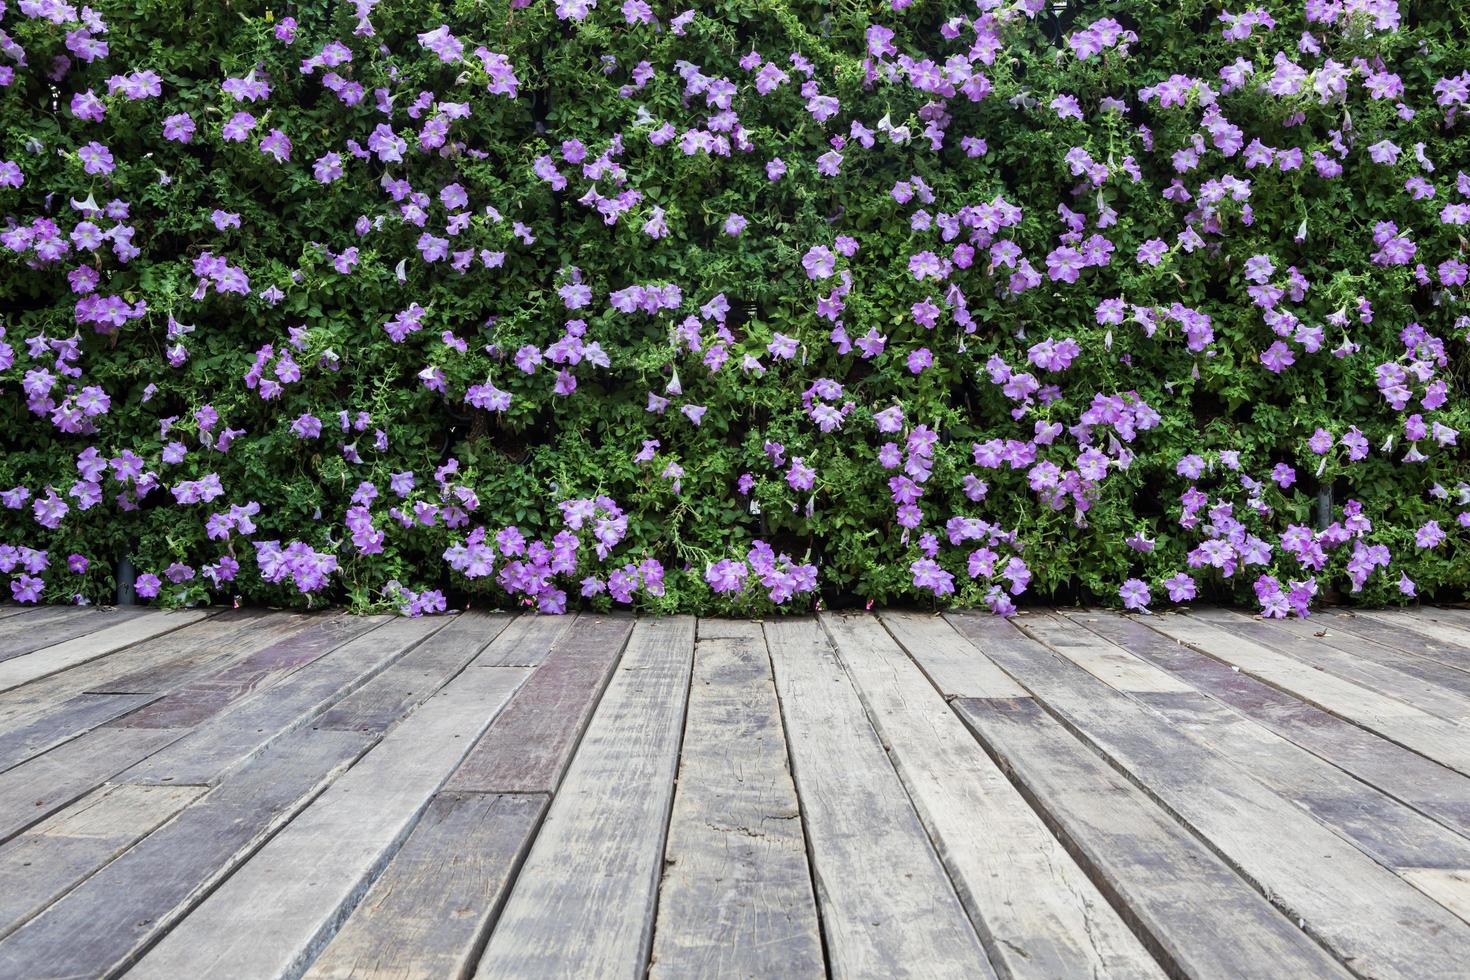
760 304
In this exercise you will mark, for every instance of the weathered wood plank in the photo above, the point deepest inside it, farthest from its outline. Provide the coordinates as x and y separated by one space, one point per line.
1426 786
49 660
38 787
528 747
1432 737
178 658
427 915
414 677
236 735
526 641
583 904
1448 626
888 907
68 720
63 706
42 864
1191 908
274 915
1424 669
9 609
214 691
1368 915
1406 635
1449 886
949 660
1360 666
103 924
736 898
1392 833
1035 909
13 631
84 621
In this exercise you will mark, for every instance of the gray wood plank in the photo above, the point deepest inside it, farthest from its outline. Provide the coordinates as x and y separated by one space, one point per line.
234 736
103 924
42 864
736 898
1410 778
1349 627
9 609
428 914
526 641
14 631
68 720
136 629
38 787
1390 832
274 915
85 620
1432 737
888 907
583 905
1198 916
1034 908
528 747
233 632
1368 915
1448 626
415 676
213 691
1362 664
949 660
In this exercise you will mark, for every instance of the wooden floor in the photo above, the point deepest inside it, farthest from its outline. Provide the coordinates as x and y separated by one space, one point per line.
241 794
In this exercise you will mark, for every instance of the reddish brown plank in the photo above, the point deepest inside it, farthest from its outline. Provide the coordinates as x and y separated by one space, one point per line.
527 749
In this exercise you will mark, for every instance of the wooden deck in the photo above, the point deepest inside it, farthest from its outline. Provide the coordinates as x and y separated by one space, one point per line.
240 794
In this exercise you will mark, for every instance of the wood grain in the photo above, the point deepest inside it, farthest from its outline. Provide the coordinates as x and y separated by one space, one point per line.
736 897
888 907
583 904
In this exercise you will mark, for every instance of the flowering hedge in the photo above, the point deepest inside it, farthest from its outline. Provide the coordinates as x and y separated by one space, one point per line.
769 303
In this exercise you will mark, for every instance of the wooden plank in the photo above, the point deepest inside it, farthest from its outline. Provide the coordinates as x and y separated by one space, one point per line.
887 903
1410 778
525 642
414 677
722 628
1432 737
236 735
13 632
1406 635
45 862
32 666
1188 905
949 660
214 691
736 898
9 609
60 705
427 915
73 718
1385 654
1368 915
1393 834
1447 626
274 915
528 747
583 905
37 788
1035 909
85 620
209 637
1450 887
103 924
1360 665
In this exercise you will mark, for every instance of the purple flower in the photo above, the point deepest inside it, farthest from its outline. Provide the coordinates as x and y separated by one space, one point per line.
1135 595
179 128
96 158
